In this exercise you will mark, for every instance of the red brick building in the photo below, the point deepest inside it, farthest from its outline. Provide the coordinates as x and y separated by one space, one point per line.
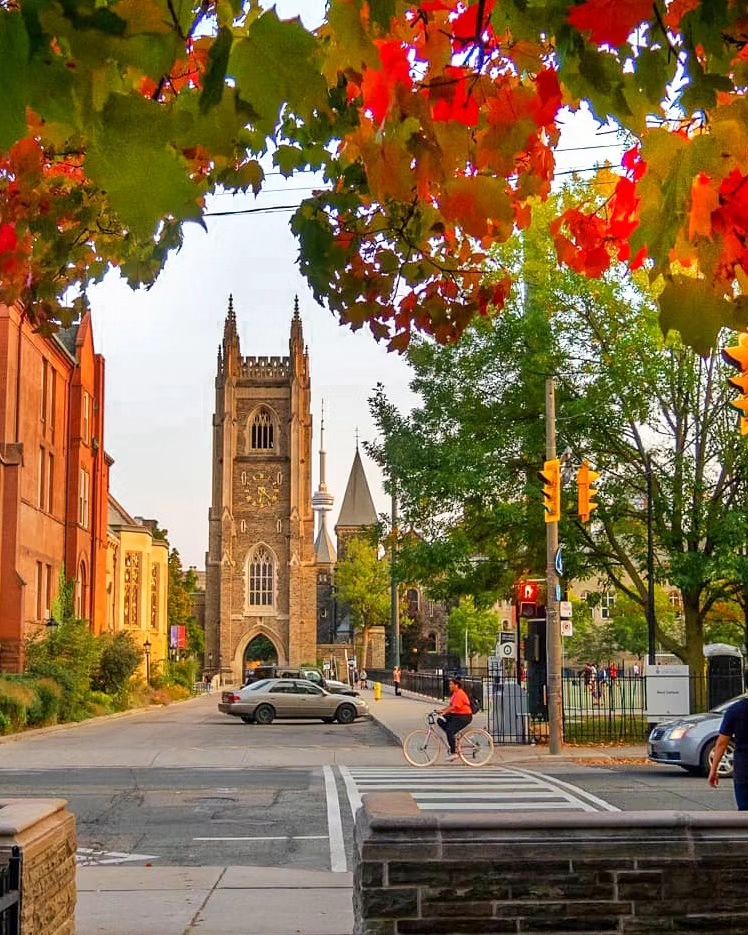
54 478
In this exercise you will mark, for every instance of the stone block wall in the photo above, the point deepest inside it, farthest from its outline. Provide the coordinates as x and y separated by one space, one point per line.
550 873
44 830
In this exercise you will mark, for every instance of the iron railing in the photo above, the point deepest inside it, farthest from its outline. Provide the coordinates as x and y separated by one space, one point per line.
10 893
605 710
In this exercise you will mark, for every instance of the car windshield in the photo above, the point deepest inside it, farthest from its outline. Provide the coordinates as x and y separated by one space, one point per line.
721 708
256 686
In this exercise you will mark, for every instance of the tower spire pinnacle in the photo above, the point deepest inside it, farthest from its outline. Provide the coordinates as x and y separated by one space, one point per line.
296 307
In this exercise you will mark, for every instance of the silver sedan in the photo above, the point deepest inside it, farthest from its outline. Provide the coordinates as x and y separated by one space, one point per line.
689 742
264 701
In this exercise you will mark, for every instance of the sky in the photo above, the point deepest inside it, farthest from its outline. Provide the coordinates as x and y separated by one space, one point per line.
160 348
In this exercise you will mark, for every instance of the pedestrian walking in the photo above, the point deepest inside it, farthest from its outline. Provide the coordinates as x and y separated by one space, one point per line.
734 728
364 678
396 679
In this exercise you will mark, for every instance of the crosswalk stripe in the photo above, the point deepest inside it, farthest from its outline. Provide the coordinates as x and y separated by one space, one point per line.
455 789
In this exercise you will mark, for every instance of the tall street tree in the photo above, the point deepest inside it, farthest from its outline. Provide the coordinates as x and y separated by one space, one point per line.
464 459
362 583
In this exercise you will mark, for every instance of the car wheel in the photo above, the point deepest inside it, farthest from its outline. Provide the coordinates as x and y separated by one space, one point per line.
726 765
264 714
346 714
247 718
328 720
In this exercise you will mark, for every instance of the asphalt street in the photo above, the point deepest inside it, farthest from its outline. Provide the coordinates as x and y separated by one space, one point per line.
187 786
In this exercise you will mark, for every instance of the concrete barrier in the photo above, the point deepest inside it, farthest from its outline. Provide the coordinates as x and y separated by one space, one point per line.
550 873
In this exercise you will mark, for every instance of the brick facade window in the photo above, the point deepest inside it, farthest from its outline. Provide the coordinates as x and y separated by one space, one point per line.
262 431
83 498
86 418
132 589
414 601
81 593
154 595
261 574
607 603
432 644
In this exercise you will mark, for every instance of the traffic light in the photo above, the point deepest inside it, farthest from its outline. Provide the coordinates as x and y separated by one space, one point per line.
737 356
551 477
586 479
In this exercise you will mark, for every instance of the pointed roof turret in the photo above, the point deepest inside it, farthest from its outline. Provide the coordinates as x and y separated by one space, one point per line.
358 506
229 327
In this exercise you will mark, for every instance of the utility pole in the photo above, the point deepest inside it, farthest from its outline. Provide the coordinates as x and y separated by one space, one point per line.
394 597
651 620
553 623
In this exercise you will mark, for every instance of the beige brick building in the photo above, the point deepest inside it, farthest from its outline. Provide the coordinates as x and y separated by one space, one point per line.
260 565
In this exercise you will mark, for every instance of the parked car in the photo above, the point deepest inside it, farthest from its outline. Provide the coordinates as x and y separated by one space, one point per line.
689 742
264 701
312 675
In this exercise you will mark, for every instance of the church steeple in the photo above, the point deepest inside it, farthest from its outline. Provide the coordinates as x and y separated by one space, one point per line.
322 502
358 509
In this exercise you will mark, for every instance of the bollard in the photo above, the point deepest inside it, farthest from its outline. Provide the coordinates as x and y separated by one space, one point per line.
377 691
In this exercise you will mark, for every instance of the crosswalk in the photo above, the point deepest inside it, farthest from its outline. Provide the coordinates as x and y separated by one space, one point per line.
460 789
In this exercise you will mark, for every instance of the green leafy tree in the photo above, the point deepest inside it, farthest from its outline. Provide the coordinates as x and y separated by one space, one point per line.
181 597
474 627
465 458
362 581
628 622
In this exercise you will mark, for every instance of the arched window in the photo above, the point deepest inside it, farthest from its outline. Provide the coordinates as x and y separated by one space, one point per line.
262 431
432 645
414 601
81 594
261 578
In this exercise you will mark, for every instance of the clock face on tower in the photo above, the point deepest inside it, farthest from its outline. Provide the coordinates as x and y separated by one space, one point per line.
263 488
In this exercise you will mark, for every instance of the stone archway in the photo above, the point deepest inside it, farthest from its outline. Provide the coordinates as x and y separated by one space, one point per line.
259 630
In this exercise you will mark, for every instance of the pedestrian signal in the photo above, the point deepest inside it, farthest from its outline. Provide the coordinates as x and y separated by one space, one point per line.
551 477
737 357
586 480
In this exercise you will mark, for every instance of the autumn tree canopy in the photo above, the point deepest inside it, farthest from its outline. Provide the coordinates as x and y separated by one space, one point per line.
434 125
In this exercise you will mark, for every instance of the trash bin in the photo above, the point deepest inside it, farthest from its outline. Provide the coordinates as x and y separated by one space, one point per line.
724 672
510 721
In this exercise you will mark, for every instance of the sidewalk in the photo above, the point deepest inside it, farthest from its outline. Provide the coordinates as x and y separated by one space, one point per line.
212 900
398 716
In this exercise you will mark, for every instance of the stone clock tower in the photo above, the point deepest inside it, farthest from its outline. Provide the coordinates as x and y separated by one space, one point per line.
260 565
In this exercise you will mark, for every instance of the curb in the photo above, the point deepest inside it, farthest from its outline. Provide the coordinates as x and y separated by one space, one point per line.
71 725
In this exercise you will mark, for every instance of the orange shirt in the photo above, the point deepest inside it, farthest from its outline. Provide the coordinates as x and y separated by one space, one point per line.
460 703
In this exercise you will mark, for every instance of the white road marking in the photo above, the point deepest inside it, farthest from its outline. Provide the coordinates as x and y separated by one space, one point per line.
457 789
271 837
334 823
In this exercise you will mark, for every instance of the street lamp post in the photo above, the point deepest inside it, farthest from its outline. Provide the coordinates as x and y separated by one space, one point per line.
147 650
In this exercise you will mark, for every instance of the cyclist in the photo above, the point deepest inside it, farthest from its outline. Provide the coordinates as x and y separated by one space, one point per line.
456 716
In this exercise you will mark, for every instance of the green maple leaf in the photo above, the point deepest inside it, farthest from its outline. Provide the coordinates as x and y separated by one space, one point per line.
14 56
691 307
274 65
131 159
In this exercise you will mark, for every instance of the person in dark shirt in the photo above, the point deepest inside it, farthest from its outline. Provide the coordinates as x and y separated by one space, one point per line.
734 728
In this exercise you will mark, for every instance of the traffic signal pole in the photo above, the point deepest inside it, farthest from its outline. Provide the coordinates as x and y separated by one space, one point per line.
394 595
553 622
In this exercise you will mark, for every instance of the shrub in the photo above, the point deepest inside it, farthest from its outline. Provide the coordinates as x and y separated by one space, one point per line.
184 672
99 703
49 695
120 658
16 699
4 724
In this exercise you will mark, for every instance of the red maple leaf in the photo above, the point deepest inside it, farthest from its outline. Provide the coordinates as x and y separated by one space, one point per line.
610 22
379 85
8 238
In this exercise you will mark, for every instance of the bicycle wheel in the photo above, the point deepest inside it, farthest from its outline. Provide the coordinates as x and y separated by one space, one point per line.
421 747
475 747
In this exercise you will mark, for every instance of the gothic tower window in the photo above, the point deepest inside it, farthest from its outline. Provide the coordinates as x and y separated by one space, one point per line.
262 432
132 589
261 578
154 595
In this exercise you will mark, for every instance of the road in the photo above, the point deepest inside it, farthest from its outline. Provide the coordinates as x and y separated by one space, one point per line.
187 786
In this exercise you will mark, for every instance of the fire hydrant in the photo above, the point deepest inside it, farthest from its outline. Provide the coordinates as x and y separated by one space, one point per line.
377 691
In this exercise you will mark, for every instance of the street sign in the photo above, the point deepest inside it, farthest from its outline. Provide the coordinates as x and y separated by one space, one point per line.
558 592
508 650
567 628
559 561
564 610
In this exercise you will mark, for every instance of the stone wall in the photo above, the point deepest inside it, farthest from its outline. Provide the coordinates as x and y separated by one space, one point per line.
44 830
550 873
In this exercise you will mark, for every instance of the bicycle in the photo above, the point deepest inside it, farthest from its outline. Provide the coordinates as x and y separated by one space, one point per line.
421 747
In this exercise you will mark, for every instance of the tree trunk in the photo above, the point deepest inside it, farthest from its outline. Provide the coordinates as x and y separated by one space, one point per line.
694 652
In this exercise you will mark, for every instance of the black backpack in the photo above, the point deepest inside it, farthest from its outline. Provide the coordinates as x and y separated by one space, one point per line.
475 705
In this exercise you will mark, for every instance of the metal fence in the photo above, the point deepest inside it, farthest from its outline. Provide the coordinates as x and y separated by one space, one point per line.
594 710
10 893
